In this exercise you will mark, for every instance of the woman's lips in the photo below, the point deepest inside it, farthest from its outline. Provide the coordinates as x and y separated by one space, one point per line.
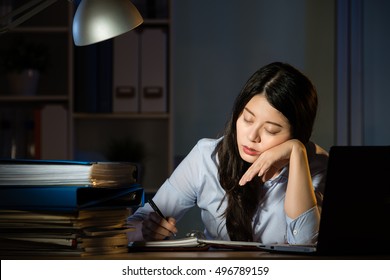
250 151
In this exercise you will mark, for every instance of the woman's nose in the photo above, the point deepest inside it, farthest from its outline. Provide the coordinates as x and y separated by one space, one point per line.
254 136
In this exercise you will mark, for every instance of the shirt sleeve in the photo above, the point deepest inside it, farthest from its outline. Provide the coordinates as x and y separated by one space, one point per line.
179 192
304 229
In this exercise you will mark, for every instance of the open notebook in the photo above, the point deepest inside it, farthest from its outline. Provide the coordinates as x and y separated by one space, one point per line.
356 206
194 240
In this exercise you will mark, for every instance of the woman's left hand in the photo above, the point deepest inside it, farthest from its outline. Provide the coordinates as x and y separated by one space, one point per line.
269 162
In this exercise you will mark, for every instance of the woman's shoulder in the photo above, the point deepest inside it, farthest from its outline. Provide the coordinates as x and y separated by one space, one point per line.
314 149
317 156
205 148
207 143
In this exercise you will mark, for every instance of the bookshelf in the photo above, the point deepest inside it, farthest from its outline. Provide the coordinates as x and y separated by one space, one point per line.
47 39
51 124
130 131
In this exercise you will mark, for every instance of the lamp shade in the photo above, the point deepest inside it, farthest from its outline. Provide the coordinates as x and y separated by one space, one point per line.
99 20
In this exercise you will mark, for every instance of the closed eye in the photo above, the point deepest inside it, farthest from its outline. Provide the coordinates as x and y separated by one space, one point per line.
271 132
249 121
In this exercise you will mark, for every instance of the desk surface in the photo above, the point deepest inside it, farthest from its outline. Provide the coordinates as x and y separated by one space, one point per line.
169 255
194 255
212 254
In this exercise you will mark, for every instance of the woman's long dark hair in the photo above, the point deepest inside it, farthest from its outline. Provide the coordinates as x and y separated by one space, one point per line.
291 93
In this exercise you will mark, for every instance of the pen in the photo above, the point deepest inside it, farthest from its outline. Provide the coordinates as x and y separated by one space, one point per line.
157 210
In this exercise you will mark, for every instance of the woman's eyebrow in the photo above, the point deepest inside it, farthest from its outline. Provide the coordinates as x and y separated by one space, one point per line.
249 111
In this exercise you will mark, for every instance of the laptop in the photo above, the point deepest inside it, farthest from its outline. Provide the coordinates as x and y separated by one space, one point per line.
355 214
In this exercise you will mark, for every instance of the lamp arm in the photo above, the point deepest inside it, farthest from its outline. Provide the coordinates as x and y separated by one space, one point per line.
33 7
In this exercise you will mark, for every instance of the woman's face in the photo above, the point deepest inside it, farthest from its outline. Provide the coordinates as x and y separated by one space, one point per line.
260 127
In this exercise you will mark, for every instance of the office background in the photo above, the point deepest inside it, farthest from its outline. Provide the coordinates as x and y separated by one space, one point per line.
340 45
217 45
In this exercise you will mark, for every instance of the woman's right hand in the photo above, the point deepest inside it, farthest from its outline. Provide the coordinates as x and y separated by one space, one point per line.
157 228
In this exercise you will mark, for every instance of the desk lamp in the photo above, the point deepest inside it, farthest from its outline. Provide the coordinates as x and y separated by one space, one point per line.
94 20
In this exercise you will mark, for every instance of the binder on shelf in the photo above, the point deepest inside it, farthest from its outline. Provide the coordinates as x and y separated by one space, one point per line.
104 76
85 76
154 71
93 78
126 64
69 198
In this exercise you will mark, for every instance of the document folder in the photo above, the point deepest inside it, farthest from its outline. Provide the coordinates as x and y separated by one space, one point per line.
69 198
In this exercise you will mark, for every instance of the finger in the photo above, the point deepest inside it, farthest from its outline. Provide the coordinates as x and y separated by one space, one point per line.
171 220
172 225
244 179
261 173
249 174
166 227
247 177
149 231
155 228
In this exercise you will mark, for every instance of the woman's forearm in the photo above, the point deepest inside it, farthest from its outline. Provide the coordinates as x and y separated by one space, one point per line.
300 193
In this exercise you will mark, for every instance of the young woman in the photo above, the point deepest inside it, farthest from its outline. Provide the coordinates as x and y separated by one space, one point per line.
262 181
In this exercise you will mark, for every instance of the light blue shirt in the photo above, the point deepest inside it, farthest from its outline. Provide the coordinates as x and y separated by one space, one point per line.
195 182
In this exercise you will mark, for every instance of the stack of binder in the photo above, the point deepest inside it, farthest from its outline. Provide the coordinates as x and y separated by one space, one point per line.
65 207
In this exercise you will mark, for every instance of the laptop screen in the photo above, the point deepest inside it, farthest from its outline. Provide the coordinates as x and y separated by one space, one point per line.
356 208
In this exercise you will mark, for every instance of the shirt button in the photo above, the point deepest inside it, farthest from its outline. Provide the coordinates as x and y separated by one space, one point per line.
295 232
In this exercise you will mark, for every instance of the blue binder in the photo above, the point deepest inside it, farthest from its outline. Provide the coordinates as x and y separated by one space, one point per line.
69 198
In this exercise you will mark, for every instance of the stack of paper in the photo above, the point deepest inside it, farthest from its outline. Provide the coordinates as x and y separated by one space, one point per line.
66 208
81 233
61 172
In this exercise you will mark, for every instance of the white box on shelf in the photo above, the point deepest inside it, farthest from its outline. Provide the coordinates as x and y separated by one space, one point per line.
126 80
154 70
